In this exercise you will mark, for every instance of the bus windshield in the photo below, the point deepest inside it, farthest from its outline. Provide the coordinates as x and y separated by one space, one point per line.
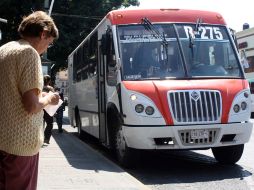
189 52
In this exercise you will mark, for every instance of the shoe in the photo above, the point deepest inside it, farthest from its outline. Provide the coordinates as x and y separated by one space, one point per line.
46 141
60 131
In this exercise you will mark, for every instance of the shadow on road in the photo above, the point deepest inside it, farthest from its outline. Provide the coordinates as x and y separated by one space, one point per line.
80 155
183 167
66 120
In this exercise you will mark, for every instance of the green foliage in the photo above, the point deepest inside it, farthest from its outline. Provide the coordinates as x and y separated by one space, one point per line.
13 11
75 19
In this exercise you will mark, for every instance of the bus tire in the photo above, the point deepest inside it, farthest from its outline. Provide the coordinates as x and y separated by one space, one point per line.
228 154
78 125
126 156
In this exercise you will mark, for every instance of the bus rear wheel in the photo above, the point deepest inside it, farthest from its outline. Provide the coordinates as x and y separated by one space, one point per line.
228 154
78 125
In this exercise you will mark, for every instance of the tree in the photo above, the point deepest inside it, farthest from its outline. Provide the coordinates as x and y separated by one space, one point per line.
74 19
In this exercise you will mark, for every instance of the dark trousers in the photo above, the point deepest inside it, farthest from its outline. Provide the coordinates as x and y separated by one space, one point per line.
49 125
18 172
59 119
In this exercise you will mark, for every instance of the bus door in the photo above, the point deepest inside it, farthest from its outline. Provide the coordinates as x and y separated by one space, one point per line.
107 72
102 93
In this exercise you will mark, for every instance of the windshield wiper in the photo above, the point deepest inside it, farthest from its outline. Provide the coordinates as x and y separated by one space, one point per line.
193 35
198 25
150 27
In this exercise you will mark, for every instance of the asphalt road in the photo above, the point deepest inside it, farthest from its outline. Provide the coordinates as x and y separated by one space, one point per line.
192 170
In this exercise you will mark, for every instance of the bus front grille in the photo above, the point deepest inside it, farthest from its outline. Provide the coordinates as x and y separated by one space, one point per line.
195 106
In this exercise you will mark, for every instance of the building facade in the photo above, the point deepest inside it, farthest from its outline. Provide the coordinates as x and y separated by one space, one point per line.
245 40
61 81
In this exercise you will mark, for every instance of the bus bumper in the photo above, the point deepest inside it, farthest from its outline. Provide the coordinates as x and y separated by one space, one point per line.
187 137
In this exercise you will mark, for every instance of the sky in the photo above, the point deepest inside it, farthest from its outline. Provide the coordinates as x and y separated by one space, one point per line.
235 13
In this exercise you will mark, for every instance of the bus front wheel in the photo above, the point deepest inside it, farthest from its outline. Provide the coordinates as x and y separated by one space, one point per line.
228 154
126 156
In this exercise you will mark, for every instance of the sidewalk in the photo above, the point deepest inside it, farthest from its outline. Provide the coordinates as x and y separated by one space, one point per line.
69 163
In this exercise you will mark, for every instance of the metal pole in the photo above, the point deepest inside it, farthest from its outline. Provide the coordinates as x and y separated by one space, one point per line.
49 13
51 7
3 20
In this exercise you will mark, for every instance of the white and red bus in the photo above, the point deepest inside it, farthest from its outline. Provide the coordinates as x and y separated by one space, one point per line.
160 79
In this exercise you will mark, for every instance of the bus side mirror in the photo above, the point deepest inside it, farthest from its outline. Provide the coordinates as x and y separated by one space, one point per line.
233 35
107 48
104 44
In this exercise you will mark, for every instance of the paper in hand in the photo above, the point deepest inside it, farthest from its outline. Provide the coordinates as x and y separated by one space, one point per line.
51 109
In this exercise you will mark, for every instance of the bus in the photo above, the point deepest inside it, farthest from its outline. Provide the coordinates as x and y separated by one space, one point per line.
160 79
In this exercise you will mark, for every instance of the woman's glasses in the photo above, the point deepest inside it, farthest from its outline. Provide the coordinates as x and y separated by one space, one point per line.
50 45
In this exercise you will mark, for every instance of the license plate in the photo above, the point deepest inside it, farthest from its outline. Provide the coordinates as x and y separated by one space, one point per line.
199 133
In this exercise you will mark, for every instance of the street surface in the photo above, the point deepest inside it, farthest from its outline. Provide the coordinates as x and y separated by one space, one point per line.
192 170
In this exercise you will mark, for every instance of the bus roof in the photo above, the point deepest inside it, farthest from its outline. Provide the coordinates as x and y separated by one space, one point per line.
134 16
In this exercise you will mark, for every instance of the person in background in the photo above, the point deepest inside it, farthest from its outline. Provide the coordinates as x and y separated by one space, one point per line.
59 112
22 102
47 118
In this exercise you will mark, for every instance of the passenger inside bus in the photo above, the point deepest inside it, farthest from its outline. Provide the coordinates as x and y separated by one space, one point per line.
129 69
151 60
171 64
209 62
144 59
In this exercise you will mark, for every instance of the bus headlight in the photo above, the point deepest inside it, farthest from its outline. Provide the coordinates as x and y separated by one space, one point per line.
243 105
133 97
236 108
143 105
149 110
246 94
240 109
139 108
